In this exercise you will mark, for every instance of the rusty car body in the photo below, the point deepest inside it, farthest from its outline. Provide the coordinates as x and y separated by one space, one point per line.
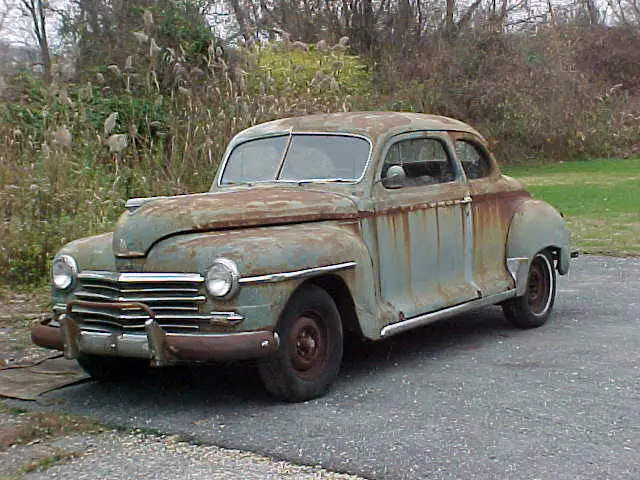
369 223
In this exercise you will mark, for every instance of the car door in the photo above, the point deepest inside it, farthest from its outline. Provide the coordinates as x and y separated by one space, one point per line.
423 227
492 207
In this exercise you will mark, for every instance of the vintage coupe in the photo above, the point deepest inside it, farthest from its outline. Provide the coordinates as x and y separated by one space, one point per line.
314 228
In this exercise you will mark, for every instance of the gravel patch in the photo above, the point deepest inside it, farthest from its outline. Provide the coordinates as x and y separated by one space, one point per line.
116 455
17 312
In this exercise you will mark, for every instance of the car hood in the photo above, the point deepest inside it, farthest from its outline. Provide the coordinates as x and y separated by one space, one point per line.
157 218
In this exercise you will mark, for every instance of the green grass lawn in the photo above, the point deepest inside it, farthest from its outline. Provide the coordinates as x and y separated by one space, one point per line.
600 200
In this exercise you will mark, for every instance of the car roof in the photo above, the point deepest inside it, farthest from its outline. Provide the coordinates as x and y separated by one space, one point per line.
369 124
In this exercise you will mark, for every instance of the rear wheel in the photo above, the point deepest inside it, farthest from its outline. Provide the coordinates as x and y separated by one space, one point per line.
112 368
534 307
310 352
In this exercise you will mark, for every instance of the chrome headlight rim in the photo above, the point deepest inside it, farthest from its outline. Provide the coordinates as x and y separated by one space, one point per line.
230 269
70 279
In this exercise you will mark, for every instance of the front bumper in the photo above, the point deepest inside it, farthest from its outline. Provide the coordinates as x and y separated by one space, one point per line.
160 347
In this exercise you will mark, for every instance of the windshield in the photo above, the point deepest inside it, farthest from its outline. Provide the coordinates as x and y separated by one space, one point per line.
297 158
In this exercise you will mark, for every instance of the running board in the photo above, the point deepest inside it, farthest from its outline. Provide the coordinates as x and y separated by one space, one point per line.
427 318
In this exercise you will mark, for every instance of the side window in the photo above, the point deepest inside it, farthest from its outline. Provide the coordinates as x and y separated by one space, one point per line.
425 161
474 161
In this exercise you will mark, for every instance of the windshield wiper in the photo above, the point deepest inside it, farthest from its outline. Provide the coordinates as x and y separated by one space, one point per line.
326 180
226 183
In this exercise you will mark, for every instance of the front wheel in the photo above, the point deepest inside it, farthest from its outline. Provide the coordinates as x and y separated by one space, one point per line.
534 307
310 352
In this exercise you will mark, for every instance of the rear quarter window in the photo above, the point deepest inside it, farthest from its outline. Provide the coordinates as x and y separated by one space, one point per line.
474 160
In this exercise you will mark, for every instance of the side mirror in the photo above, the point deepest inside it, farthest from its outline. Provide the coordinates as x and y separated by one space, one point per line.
395 177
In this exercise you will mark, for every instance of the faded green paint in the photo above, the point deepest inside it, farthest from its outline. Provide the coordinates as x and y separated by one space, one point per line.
535 226
91 253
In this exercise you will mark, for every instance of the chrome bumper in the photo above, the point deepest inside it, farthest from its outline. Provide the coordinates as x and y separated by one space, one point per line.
160 347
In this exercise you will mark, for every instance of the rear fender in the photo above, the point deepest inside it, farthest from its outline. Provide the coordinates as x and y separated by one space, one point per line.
536 226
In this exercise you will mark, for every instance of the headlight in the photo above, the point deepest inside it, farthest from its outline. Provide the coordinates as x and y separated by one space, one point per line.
222 278
64 271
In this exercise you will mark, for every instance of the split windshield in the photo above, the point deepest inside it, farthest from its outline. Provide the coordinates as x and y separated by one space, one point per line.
297 158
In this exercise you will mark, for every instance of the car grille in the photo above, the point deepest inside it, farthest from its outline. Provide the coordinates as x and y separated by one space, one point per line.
174 298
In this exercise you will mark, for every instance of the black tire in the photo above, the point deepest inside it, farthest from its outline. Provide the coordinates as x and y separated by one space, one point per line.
112 368
533 308
310 352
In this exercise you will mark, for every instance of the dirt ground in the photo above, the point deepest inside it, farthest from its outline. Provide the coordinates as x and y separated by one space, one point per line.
17 312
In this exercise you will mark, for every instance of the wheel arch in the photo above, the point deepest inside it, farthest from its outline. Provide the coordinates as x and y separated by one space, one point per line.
340 293
337 288
534 227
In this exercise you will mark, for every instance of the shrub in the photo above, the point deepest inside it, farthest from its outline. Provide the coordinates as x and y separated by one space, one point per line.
525 93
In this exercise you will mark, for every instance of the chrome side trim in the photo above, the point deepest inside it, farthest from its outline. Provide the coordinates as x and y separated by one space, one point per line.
142 277
428 318
228 316
134 203
197 278
298 274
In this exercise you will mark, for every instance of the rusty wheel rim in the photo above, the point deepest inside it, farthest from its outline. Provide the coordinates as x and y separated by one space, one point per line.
308 346
539 285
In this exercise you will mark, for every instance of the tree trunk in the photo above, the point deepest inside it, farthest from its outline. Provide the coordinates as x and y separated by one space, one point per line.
448 18
35 10
44 44
241 18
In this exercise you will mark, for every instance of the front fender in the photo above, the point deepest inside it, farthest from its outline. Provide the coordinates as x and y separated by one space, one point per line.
274 250
535 226
91 253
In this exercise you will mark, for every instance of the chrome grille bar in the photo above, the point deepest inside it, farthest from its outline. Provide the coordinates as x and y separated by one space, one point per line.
142 277
104 286
175 298
111 298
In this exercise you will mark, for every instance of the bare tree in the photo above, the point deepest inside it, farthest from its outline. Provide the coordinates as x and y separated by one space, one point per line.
592 10
448 16
400 25
624 12
36 11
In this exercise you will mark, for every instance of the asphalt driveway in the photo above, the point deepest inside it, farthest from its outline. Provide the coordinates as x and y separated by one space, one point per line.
467 398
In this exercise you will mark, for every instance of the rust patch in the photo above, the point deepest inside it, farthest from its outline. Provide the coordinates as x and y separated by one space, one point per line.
494 202
264 206
374 125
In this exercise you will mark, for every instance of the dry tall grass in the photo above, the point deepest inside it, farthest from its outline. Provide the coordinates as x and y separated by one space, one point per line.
72 153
